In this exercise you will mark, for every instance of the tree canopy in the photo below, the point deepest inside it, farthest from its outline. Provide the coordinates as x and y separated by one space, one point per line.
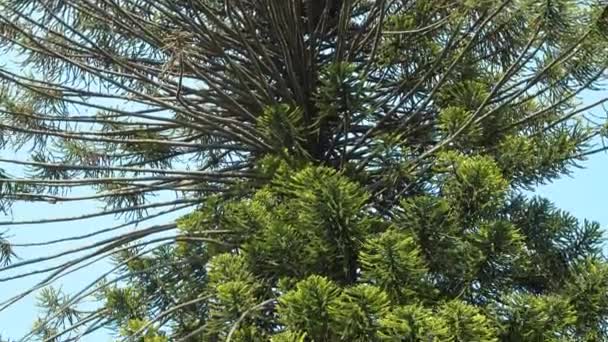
355 170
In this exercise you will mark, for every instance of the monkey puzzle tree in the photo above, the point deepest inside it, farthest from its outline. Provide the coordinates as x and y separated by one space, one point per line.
356 170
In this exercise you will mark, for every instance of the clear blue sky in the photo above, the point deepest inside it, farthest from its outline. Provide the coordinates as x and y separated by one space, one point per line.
16 321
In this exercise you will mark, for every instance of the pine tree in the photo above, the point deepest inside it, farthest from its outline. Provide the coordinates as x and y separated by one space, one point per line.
355 170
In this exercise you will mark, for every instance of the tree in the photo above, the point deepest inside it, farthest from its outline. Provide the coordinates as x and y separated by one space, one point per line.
357 170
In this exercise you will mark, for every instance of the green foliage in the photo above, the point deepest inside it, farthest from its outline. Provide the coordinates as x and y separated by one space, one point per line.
313 217
312 297
136 325
413 323
341 89
357 311
349 170
588 298
233 291
289 336
124 304
393 262
472 263
450 121
283 127
539 318
466 322
474 185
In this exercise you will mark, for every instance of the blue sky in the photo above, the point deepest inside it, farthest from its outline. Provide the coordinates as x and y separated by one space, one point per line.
584 193
17 320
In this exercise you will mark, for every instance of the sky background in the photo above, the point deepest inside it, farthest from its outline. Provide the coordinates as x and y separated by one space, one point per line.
17 320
